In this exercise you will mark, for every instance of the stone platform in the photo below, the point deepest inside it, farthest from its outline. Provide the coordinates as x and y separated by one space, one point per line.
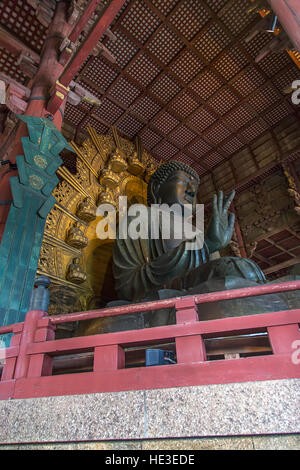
218 416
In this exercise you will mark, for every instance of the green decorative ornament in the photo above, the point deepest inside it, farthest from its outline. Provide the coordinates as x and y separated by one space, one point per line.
40 161
36 182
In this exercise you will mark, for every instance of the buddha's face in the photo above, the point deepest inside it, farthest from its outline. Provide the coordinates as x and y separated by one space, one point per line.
180 188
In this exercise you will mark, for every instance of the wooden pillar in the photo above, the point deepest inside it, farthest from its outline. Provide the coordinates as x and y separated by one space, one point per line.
48 73
283 337
28 333
10 363
46 77
111 357
288 12
189 349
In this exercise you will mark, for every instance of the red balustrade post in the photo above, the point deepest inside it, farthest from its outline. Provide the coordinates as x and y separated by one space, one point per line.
10 362
27 364
282 338
42 364
111 357
28 333
188 348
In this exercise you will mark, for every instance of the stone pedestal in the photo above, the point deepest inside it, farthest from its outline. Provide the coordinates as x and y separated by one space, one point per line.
213 416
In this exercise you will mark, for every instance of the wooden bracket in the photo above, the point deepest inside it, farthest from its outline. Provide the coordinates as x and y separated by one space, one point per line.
58 94
16 94
79 94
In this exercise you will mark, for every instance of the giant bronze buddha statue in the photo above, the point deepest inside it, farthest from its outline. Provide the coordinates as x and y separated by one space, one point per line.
146 269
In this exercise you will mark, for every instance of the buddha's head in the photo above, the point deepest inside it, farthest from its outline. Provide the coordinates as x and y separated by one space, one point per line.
173 182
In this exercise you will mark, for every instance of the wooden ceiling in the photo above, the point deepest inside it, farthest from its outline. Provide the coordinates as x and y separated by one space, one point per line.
185 80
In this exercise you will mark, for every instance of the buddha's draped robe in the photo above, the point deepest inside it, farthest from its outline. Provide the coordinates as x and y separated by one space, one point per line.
144 266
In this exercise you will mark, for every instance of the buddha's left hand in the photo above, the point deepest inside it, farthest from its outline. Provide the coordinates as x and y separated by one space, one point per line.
220 227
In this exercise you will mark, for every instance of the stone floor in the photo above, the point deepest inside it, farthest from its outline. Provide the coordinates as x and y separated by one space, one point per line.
272 442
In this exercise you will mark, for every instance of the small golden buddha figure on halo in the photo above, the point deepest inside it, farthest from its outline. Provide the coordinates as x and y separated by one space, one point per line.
117 162
86 210
76 237
75 273
106 197
109 178
136 166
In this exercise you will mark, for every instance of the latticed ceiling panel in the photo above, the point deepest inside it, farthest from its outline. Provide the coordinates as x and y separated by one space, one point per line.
186 66
234 16
263 98
108 110
143 69
184 105
199 147
95 124
217 134
140 21
172 45
248 81
150 138
182 157
130 125
123 49
223 101
100 73
212 159
189 18
252 131
18 17
211 42
182 135
273 63
146 107
165 122
9 67
201 119
166 150
124 91
165 88
75 113
206 84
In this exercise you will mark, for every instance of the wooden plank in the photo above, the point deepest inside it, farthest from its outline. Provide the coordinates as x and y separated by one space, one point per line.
168 303
283 265
220 327
15 46
176 375
86 48
136 356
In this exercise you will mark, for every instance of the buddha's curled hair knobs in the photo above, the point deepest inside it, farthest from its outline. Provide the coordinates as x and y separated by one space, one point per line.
164 172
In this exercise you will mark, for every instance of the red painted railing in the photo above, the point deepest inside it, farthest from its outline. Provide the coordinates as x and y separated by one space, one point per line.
28 368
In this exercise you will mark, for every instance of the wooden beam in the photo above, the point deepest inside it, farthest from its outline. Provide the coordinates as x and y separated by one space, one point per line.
279 247
15 46
263 259
285 264
88 45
